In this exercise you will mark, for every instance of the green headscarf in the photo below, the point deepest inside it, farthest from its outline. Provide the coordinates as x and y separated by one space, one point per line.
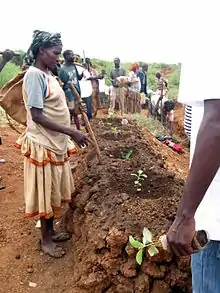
41 39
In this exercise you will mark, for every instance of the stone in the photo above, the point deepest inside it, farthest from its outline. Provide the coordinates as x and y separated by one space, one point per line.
116 238
93 190
17 256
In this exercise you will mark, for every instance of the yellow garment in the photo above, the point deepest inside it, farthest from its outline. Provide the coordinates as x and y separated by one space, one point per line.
48 179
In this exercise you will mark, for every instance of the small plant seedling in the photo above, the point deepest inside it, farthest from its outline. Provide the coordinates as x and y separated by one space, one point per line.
140 177
111 113
115 131
146 243
126 156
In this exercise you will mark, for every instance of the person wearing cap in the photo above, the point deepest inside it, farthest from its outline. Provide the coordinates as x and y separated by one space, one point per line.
117 89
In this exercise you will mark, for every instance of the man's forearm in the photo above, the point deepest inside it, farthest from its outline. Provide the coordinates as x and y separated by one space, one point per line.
205 164
94 77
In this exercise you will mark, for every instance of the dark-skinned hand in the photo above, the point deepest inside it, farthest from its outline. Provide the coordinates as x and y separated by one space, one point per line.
180 236
81 139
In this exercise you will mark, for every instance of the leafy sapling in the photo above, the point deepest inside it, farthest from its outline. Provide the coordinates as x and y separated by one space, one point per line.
115 131
140 177
126 156
111 113
146 243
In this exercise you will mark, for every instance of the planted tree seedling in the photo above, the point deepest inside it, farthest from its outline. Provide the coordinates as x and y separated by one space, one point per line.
126 156
140 177
115 131
146 243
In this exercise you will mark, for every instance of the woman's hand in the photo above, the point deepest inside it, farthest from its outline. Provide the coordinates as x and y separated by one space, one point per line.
81 139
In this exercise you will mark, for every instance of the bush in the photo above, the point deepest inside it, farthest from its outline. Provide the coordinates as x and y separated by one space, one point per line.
18 60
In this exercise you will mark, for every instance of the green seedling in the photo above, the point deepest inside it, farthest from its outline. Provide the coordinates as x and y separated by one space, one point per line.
140 177
126 156
111 113
115 131
146 243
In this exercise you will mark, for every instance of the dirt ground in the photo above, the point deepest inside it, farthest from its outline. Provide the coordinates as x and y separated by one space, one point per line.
107 210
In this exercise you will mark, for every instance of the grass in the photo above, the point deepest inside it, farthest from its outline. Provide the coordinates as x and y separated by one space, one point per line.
153 125
9 71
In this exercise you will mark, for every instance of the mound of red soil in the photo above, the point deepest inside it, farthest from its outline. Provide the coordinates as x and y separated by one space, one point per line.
108 208
178 123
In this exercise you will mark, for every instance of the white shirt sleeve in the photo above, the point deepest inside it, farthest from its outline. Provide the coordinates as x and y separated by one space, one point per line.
199 81
171 116
130 76
86 74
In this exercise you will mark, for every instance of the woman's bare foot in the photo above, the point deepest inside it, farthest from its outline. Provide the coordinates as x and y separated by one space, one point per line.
51 249
60 236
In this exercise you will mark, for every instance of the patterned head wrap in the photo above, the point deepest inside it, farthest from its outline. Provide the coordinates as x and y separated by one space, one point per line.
41 39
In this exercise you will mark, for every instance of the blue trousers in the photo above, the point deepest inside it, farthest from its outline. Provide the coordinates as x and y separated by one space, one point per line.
206 269
88 102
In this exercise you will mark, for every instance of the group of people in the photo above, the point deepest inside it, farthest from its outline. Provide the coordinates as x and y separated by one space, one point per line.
131 93
135 83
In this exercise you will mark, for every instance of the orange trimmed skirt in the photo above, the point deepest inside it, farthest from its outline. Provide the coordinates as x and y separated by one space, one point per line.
48 178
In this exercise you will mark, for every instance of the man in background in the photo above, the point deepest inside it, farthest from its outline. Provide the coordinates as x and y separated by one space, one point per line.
102 87
117 93
162 84
86 91
68 73
142 74
94 78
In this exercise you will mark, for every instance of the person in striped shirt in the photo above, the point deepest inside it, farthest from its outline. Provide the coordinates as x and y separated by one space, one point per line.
188 121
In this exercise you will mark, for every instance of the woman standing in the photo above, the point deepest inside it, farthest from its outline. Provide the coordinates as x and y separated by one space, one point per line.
46 143
134 88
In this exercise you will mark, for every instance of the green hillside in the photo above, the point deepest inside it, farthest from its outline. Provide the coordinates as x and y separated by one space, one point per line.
171 71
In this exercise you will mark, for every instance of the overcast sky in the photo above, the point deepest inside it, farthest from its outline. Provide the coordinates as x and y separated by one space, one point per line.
148 30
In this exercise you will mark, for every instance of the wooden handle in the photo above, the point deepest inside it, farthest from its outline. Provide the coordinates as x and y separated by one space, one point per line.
88 125
91 133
